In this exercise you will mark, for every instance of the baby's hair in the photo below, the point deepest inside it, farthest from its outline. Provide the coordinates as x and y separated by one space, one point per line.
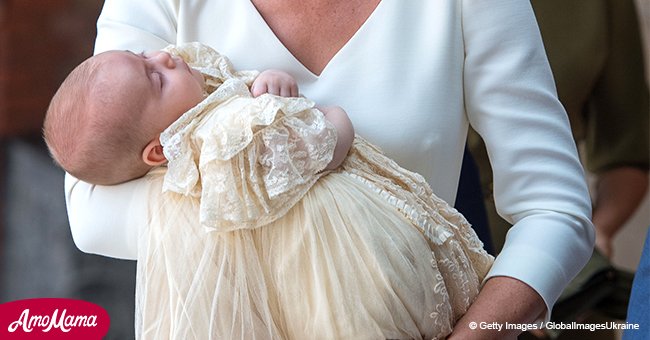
93 133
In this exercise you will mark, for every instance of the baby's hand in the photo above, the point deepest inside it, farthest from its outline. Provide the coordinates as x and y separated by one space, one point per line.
275 82
339 118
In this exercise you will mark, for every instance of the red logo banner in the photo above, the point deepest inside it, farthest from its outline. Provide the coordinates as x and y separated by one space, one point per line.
53 318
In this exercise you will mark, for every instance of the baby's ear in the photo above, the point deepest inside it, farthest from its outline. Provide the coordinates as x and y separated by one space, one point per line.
153 153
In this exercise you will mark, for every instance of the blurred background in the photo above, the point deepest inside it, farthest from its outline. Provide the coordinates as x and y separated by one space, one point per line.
40 42
629 243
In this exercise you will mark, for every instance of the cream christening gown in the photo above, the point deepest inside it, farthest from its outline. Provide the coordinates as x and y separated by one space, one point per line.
249 239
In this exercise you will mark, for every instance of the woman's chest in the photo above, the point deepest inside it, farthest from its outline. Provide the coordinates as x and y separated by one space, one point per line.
313 31
399 76
404 62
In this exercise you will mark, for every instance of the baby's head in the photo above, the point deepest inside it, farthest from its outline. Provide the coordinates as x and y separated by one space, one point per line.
104 122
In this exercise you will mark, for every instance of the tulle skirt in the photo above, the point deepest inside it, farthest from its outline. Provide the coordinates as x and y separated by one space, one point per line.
343 263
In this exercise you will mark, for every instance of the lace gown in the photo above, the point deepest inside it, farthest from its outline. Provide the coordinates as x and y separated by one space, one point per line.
251 240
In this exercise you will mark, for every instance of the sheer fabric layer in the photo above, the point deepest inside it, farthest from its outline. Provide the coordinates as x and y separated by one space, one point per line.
358 256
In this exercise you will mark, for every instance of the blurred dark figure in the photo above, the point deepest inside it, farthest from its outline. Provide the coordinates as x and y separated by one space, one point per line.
40 43
594 48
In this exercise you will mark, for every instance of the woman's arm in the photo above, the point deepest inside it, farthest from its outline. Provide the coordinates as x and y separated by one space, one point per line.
105 220
539 185
136 25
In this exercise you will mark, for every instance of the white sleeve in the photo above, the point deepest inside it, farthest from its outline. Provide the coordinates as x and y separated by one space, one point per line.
141 25
539 183
105 220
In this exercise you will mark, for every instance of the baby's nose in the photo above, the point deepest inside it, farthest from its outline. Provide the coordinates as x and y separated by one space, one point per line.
165 59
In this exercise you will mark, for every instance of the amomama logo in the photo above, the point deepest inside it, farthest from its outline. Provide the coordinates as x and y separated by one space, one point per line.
52 318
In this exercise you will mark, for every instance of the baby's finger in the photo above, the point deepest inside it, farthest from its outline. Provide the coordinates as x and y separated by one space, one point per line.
258 89
285 91
294 90
273 89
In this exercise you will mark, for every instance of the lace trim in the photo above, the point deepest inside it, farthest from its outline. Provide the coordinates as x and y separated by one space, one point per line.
253 172
457 250
436 233
255 157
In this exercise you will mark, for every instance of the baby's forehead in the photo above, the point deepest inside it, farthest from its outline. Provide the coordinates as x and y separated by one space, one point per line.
118 60
120 79
119 69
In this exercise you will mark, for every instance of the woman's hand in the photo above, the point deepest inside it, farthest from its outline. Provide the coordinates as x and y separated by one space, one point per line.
501 300
275 82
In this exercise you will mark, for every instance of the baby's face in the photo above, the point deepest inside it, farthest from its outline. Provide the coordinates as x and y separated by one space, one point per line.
165 85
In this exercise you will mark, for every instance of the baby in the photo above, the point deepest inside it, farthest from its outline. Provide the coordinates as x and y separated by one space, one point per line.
311 231
104 123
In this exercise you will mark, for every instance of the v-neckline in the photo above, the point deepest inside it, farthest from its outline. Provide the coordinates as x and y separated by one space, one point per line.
267 30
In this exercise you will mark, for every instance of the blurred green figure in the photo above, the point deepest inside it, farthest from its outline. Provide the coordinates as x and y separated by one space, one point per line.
595 51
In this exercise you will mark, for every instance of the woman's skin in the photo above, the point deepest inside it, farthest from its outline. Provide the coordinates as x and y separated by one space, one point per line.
314 31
